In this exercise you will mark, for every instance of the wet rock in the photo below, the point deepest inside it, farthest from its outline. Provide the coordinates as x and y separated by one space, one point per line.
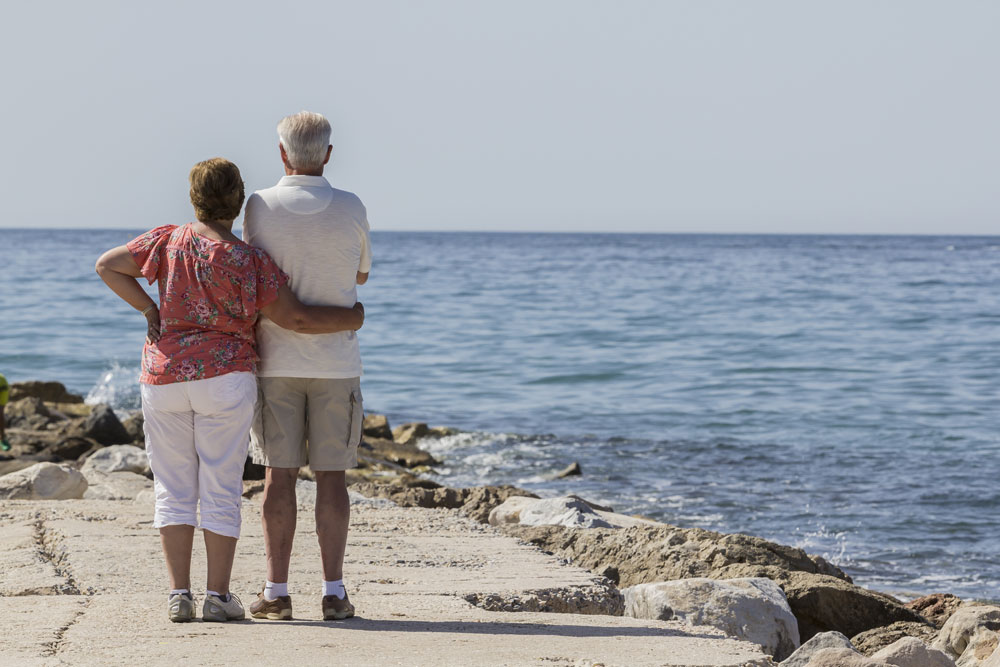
475 502
964 624
441 431
72 448
52 392
377 426
911 652
408 434
571 470
103 426
115 485
824 640
399 453
936 607
754 610
981 650
117 458
43 481
28 413
876 639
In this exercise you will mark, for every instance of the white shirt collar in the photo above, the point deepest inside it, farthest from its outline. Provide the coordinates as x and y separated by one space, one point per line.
304 181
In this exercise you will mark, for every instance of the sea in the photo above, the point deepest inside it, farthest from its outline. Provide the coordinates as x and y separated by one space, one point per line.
835 393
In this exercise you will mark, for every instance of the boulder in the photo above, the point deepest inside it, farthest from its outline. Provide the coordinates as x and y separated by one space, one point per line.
962 626
52 392
103 426
117 458
408 434
133 425
872 641
822 603
911 652
936 607
571 470
821 596
441 431
564 511
754 610
115 485
478 502
72 448
377 426
842 657
43 481
824 640
10 465
398 453
28 413
981 648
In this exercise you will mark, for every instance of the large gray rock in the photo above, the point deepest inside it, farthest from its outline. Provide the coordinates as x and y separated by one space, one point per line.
118 458
754 610
936 607
565 511
103 426
963 625
823 640
377 426
43 481
911 652
408 434
115 485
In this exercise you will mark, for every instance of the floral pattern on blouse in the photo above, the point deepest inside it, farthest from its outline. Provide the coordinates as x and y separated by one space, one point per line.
210 294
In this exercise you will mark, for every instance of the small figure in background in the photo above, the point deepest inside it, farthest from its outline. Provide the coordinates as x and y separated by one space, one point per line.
4 395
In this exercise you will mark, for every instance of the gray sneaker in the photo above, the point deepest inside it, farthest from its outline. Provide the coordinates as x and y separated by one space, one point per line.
180 607
217 609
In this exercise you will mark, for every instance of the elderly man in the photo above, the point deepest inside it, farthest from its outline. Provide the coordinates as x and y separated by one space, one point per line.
309 402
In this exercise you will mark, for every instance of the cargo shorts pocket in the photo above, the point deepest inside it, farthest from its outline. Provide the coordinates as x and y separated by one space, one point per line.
355 418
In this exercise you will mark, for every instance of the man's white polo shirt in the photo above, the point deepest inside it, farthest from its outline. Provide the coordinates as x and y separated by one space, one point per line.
319 236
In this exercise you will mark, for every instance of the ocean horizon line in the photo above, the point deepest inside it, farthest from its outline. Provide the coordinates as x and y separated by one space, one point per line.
578 233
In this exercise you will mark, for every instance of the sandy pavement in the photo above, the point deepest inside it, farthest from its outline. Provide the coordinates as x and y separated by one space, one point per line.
83 582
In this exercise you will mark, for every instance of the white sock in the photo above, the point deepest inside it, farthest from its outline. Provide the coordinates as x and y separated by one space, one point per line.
334 588
273 591
180 591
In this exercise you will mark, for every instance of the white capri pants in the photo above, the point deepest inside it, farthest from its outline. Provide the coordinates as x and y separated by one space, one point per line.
197 435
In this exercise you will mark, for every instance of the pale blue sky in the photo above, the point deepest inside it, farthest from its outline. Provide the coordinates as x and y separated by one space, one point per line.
837 117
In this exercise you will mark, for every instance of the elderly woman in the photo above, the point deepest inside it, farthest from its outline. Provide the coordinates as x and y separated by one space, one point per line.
198 384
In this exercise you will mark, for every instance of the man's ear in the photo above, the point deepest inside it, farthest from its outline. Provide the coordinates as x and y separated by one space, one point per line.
284 155
329 152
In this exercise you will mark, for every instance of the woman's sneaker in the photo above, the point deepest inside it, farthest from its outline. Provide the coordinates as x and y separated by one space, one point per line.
335 609
278 609
222 610
180 607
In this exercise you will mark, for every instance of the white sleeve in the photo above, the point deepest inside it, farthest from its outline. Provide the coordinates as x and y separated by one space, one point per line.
365 265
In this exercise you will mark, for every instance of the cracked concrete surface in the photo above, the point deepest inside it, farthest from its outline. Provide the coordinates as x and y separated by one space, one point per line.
83 583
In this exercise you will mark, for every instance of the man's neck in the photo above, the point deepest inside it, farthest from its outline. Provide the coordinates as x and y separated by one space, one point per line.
303 172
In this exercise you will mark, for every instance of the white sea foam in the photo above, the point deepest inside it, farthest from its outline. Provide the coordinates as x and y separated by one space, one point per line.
118 387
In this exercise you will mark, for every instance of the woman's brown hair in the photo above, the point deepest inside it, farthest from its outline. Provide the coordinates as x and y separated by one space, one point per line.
216 190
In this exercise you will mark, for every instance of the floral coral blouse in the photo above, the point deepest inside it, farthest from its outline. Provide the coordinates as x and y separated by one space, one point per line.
210 294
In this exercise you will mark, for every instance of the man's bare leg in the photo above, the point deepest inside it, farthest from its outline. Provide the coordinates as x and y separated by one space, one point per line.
278 519
333 518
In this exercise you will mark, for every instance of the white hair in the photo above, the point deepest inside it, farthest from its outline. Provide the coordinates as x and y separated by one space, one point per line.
305 136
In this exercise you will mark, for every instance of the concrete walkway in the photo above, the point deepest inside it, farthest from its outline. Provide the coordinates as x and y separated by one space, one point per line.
83 582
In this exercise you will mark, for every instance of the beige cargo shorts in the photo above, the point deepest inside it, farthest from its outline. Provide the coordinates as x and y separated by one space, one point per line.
300 421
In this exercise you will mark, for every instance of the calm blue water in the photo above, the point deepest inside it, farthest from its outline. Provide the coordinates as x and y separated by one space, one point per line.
836 393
